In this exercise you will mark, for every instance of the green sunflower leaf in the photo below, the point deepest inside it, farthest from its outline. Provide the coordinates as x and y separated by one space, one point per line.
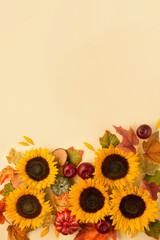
7 189
154 229
155 178
74 156
107 139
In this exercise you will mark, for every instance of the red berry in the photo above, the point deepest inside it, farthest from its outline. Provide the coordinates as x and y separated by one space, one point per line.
85 170
69 170
144 131
65 223
104 226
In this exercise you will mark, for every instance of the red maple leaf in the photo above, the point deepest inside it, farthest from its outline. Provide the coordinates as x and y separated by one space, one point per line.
152 188
129 139
6 173
89 232
2 209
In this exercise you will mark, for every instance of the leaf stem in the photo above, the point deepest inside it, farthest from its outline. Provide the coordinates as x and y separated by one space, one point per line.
7 221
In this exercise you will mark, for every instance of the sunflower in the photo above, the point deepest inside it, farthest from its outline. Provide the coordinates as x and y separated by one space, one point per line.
37 168
132 210
89 201
114 167
25 206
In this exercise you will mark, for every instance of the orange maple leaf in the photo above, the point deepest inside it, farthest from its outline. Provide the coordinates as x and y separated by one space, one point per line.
2 209
88 231
152 148
6 173
61 203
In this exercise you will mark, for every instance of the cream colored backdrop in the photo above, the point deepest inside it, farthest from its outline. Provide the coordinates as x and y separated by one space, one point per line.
71 69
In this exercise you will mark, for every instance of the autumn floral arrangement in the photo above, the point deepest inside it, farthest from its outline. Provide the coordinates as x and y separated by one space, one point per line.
119 191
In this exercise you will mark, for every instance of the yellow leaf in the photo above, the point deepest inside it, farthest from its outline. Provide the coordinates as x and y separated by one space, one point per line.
158 124
89 146
44 232
56 232
29 140
24 143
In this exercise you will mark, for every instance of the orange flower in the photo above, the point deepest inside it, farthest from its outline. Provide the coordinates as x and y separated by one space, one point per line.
2 209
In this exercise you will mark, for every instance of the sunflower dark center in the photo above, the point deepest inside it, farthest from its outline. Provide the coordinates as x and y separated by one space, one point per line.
28 206
132 206
37 168
115 166
91 200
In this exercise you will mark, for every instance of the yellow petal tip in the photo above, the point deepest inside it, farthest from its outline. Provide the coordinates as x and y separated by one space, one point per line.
29 140
158 124
89 146
23 143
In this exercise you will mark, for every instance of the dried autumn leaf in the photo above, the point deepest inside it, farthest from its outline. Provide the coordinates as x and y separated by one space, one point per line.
61 203
7 189
89 232
89 146
16 181
48 219
45 232
74 155
15 233
29 140
147 167
2 209
23 143
107 139
7 173
14 156
152 188
129 139
152 148
154 229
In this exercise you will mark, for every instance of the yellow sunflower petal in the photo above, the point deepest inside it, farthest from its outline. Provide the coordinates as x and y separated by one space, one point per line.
136 217
29 140
158 124
21 217
89 146
45 232
111 174
79 198
23 143
45 168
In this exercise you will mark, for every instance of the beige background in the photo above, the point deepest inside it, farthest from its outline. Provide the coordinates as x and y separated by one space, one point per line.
71 69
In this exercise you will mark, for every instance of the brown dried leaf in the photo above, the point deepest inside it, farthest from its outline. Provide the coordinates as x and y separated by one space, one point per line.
15 233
